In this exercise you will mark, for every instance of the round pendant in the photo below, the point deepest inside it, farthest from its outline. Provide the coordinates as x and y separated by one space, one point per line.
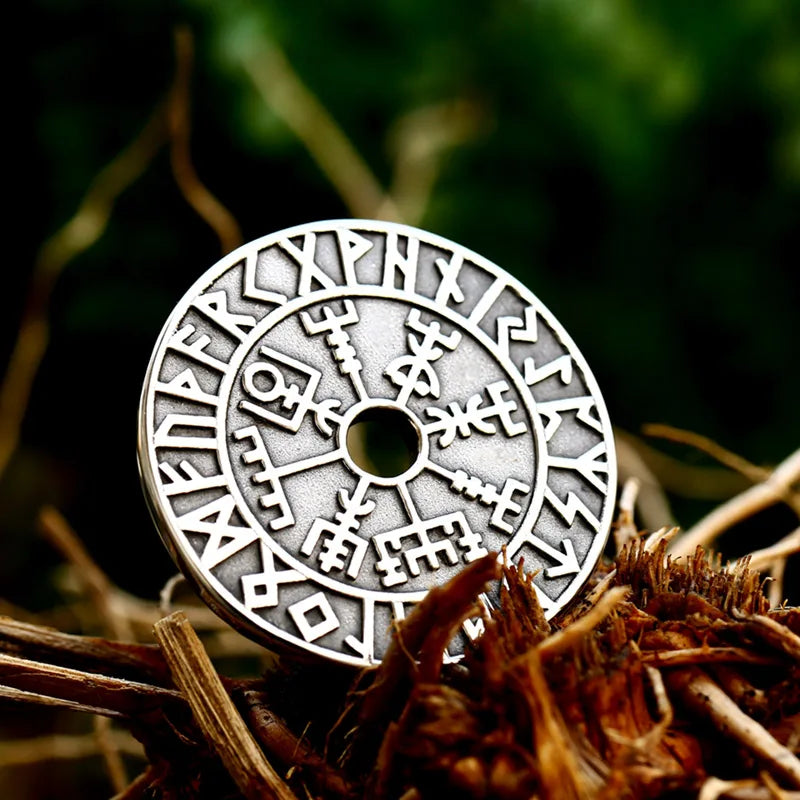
280 366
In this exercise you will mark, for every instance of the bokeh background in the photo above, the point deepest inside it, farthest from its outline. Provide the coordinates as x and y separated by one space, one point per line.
637 165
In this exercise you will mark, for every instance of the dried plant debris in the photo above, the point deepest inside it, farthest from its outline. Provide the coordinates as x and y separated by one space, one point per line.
675 680
688 676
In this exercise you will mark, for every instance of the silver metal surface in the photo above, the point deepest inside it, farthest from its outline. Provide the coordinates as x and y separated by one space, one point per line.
267 367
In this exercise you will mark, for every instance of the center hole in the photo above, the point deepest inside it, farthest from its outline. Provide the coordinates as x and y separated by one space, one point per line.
383 442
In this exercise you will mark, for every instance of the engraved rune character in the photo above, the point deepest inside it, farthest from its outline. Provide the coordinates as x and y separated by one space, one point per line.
339 340
456 420
310 271
395 261
553 411
261 589
391 566
449 285
275 496
186 385
343 540
472 486
265 383
215 520
588 465
187 479
514 329
413 373
352 246
214 305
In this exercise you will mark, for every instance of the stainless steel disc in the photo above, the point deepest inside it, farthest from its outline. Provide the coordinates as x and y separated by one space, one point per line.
277 358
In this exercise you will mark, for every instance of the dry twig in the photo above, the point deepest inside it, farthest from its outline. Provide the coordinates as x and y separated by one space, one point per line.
215 712
96 583
178 119
282 89
752 472
419 140
773 558
74 238
577 631
653 504
699 693
773 490
626 526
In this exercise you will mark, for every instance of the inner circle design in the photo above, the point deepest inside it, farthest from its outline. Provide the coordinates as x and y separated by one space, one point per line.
348 526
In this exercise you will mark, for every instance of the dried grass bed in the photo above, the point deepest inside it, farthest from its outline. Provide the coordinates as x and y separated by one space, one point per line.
672 678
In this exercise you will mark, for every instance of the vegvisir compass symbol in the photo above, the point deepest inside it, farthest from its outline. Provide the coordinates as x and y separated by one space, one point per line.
264 373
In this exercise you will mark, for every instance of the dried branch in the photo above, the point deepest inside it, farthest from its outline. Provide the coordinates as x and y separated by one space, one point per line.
278 741
706 655
179 123
626 526
714 788
750 502
760 559
103 694
773 634
96 583
552 742
39 699
752 472
98 587
167 592
283 90
574 633
674 476
441 603
418 141
215 713
112 758
141 662
653 505
700 694
136 789
775 591
74 238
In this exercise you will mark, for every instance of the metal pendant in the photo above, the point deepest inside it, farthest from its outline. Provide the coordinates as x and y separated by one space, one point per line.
284 351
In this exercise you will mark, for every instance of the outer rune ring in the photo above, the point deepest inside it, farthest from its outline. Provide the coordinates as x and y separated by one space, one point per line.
260 381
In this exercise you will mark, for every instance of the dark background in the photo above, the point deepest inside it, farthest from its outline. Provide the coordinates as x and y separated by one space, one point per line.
636 165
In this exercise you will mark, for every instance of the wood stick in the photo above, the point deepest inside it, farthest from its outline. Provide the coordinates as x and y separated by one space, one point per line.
762 559
104 695
755 499
215 713
139 662
39 699
76 236
703 697
626 526
578 630
96 583
440 606
705 655
285 93
136 789
194 191
278 741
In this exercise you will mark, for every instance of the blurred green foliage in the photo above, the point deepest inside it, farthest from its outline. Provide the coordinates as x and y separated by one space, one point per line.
637 165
